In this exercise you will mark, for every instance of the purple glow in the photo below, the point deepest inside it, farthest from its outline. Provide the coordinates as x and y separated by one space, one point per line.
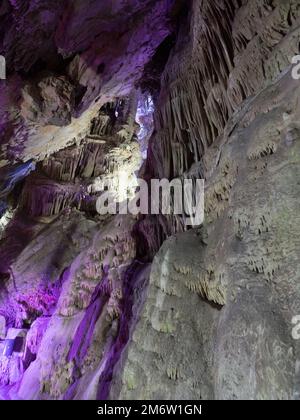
85 330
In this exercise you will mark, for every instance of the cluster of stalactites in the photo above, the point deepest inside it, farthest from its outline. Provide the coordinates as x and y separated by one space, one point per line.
230 56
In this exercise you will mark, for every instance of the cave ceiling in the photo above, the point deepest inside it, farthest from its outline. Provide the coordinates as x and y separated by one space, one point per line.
66 59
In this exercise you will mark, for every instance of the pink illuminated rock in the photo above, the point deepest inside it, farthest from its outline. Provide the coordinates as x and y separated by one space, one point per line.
143 306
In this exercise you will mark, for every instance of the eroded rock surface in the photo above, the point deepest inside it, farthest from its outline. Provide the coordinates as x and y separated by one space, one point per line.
144 306
249 240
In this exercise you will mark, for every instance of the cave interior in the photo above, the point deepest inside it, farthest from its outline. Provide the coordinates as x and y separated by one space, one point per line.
97 96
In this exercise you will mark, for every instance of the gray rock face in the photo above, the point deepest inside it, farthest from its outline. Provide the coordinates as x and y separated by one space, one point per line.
171 352
144 307
245 258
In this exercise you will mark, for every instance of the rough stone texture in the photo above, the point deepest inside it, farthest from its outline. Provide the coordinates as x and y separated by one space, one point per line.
35 274
74 177
90 317
247 261
145 307
71 50
2 327
174 359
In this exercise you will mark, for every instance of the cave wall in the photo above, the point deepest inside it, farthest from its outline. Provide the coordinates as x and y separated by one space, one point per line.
144 307
221 299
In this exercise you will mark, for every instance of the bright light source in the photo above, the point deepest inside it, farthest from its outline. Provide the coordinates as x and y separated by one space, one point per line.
144 117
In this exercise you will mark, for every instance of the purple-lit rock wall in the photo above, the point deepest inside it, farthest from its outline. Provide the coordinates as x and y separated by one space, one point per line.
142 306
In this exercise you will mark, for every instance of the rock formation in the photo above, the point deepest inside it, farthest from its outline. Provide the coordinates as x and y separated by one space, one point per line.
137 306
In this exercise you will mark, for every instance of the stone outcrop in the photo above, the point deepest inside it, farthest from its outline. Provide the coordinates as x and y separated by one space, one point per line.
228 103
146 306
77 66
